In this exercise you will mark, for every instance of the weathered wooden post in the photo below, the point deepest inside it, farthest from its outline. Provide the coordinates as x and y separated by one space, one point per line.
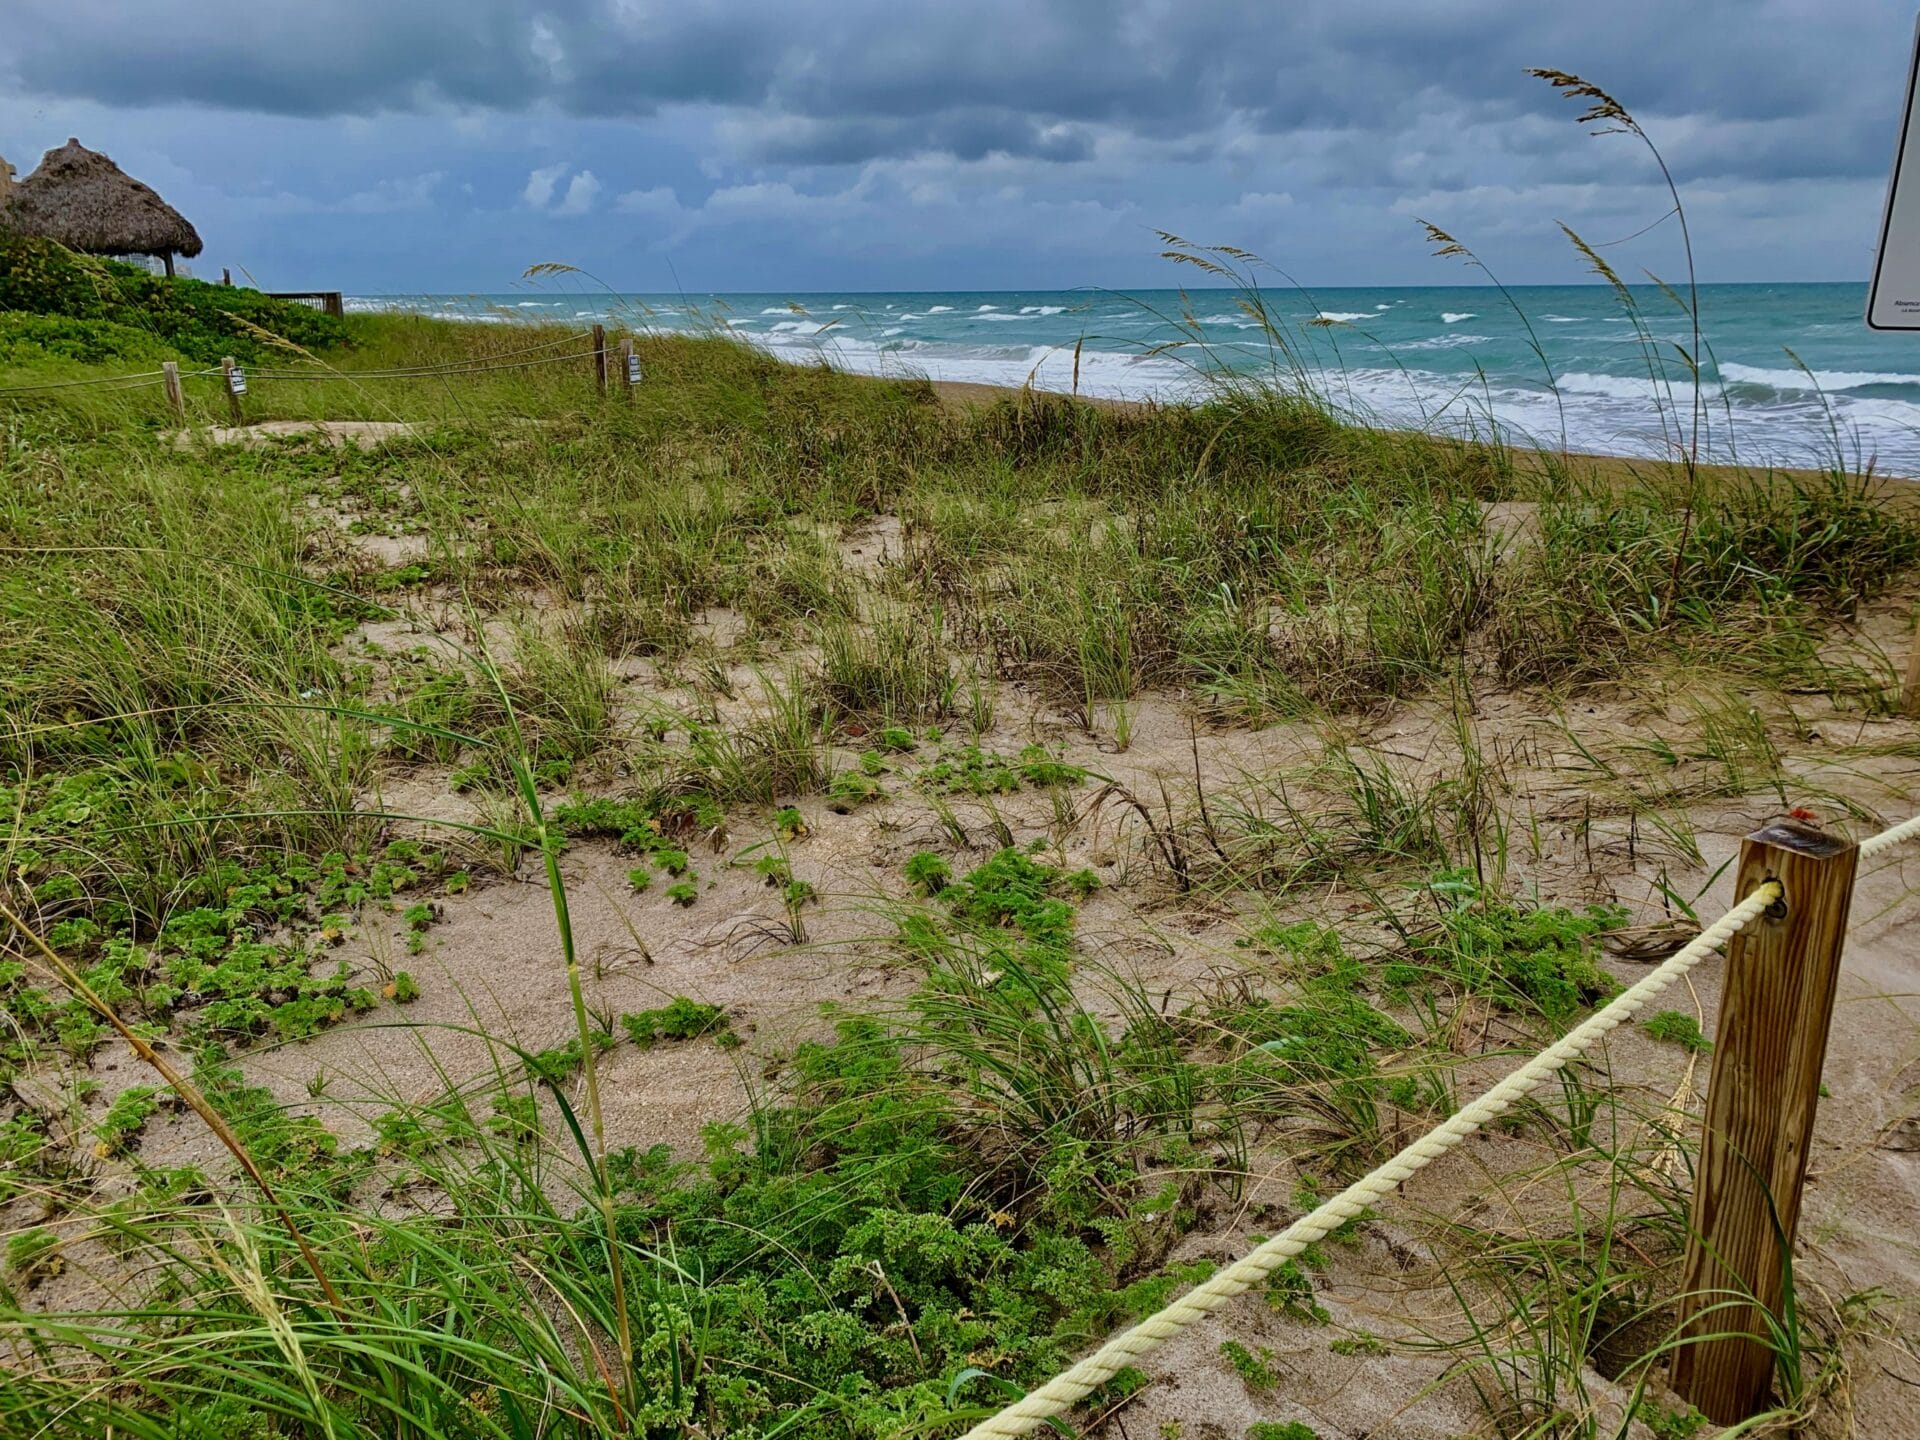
1771 1040
629 367
170 382
236 382
600 357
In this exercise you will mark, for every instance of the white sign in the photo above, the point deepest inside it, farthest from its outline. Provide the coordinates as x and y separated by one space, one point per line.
237 380
1893 300
633 369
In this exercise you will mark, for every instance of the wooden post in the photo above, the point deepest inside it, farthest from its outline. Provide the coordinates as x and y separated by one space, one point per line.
629 367
1910 693
233 395
170 382
1775 1007
600 357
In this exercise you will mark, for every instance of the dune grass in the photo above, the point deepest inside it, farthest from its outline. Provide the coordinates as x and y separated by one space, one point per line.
213 656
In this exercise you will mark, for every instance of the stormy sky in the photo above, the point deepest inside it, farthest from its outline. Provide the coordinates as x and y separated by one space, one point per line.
791 145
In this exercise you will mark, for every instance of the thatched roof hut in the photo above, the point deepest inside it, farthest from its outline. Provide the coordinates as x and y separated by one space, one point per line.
86 202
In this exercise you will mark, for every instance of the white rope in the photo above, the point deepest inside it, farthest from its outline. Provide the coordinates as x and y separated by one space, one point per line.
1073 1385
126 382
323 372
1891 836
417 374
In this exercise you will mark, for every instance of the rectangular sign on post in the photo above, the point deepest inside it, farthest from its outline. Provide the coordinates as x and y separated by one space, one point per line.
1893 299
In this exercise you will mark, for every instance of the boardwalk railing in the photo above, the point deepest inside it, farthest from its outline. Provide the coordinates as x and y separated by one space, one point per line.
327 300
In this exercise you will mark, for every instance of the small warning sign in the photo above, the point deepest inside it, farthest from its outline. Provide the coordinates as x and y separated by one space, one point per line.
1893 299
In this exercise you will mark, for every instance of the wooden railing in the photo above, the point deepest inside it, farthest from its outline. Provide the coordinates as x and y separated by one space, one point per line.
327 300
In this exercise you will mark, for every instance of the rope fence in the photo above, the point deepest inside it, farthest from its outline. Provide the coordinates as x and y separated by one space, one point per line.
237 377
1067 1389
397 371
413 374
136 381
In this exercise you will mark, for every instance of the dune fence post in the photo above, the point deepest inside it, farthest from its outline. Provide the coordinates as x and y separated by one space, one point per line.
600 358
1776 1005
629 367
170 382
236 385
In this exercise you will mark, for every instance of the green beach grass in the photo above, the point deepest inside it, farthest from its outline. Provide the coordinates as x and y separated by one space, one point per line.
1379 735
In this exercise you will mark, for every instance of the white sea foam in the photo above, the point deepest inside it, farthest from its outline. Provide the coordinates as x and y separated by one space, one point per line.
939 309
1445 342
776 310
1454 317
1342 317
1829 381
1618 387
984 308
1561 319
1103 372
1042 309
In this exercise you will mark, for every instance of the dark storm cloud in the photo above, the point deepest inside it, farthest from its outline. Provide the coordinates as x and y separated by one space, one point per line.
1761 88
953 143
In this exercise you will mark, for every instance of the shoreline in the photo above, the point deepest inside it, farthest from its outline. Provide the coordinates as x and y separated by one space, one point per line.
1448 358
1596 465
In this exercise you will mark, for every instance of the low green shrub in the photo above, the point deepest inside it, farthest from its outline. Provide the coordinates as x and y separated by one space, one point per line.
30 339
199 321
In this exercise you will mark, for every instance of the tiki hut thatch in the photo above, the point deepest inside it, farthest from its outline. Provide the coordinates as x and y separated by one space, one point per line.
86 202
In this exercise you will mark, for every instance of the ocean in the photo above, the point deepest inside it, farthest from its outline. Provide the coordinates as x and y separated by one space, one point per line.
1791 374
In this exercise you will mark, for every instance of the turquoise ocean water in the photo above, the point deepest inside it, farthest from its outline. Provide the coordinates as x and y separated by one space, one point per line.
1792 375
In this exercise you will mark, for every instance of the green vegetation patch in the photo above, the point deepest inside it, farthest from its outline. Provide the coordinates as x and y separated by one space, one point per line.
190 318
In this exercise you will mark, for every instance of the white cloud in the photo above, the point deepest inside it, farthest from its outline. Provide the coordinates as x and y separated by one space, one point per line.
660 201
582 191
1255 201
540 185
